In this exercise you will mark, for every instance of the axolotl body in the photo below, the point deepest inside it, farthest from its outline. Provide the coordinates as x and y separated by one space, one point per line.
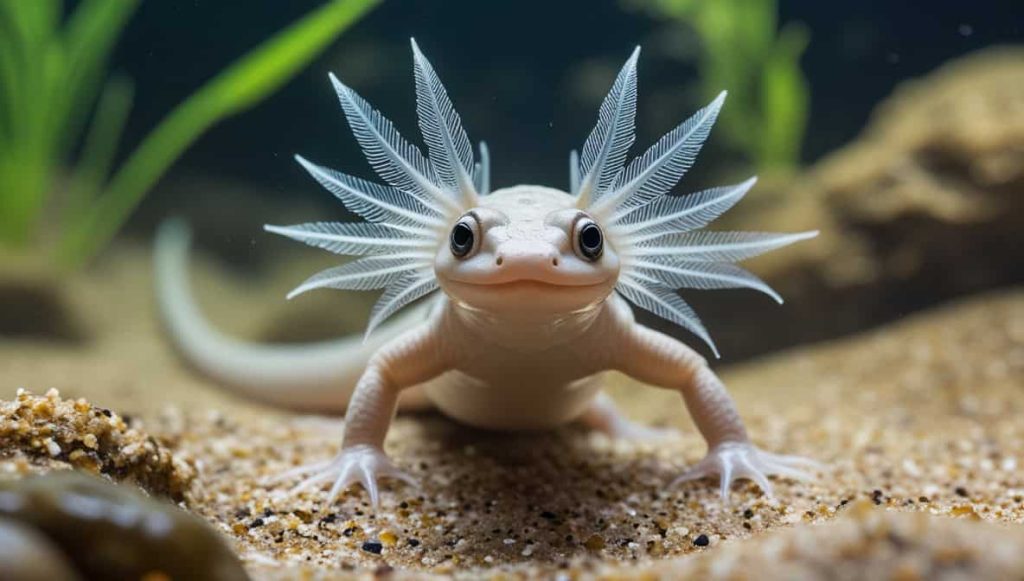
535 290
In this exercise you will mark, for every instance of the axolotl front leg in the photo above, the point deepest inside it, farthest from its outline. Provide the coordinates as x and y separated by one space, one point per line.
410 359
660 360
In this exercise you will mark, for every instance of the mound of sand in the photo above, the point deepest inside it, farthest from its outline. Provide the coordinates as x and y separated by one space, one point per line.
44 433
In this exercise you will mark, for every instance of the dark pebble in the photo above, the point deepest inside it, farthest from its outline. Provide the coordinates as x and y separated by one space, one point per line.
748 513
414 542
110 531
961 491
256 523
373 547
547 514
702 541
897 541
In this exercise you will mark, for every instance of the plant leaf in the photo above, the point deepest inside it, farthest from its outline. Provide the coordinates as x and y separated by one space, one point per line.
101 144
240 86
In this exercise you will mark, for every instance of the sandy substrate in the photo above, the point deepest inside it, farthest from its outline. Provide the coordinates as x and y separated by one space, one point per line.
921 417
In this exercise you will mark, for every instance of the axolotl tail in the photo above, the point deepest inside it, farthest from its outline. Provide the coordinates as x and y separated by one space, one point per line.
315 377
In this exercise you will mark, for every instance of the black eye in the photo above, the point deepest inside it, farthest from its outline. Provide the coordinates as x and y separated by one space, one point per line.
591 241
462 239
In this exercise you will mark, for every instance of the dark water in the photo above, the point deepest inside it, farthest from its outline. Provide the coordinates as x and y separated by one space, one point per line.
514 71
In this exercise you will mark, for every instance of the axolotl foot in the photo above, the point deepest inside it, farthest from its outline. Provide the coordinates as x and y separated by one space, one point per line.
362 464
734 460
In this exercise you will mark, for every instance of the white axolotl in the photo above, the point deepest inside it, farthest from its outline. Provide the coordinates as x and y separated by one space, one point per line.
535 283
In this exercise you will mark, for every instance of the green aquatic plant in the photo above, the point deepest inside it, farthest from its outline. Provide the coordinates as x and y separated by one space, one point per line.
743 50
57 101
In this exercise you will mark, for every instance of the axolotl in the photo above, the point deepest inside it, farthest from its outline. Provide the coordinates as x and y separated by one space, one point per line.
536 286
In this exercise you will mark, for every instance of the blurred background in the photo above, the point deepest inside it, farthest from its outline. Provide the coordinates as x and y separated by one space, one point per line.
526 76
915 184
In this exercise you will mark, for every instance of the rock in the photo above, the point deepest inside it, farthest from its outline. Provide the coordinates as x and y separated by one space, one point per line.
926 205
27 555
935 186
36 302
109 531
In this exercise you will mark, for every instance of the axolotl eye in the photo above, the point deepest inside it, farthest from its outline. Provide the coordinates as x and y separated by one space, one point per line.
463 237
589 240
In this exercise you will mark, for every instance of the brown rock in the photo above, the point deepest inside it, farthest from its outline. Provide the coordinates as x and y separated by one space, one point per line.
926 205
107 531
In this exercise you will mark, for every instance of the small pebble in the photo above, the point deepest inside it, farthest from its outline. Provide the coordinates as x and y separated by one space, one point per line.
702 541
373 547
594 543
388 538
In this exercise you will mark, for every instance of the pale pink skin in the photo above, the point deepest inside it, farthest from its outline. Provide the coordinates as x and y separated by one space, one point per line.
525 324
520 340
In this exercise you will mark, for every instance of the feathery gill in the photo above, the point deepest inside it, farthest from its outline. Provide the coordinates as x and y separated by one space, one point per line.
658 234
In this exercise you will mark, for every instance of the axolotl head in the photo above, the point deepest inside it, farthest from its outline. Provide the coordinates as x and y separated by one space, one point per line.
527 247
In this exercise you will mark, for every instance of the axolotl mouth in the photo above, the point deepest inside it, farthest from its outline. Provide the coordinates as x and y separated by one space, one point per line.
526 284
529 295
